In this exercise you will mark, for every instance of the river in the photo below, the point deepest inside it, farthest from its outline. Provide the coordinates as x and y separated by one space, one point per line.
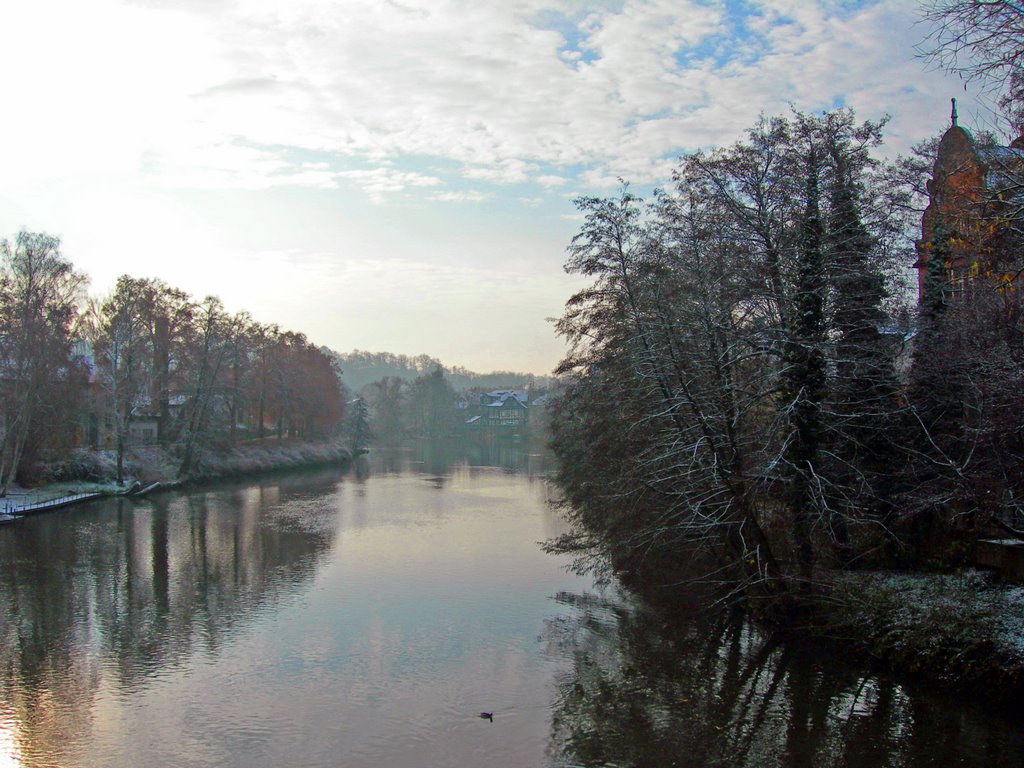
368 618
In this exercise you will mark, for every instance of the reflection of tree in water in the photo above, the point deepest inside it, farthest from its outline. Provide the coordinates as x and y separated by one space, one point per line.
361 468
135 588
389 460
716 691
440 458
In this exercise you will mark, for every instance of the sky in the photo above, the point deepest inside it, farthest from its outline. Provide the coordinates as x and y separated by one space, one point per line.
399 175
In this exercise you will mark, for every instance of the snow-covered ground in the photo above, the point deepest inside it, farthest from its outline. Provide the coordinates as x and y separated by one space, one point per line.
18 498
157 464
963 628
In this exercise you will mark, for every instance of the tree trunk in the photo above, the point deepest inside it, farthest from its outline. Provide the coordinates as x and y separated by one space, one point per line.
12 472
120 455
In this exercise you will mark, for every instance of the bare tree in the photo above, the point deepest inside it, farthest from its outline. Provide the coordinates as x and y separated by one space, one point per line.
167 313
982 40
39 294
432 405
208 350
660 361
730 382
124 358
386 398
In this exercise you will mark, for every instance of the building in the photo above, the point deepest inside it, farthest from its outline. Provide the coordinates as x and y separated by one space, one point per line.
500 409
976 204
95 424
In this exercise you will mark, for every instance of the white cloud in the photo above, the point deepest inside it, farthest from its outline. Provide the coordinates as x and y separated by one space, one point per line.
378 182
211 129
480 84
549 182
509 170
470 196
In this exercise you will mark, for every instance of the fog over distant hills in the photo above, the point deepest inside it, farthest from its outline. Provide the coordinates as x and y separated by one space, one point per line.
360 368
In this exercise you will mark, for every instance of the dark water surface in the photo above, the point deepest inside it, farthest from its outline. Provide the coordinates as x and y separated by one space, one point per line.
366 619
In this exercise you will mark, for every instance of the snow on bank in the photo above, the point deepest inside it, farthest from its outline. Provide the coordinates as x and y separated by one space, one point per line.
964 629
253 458
18 498
88 472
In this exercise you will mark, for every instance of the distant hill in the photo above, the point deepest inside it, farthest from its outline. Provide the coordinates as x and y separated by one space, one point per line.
360 368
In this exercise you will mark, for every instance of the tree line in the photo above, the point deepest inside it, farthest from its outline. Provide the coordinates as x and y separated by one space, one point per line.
75 368
364 368
380 413
430 406
424 407
750 402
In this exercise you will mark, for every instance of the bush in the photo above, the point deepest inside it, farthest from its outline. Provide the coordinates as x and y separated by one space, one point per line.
82 465
964 629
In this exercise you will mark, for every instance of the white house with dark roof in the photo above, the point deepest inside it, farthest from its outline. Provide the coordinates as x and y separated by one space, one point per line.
502 408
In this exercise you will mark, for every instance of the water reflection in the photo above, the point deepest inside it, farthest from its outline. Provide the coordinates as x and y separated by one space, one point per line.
715 691
108 595
322 620
315 620
440 458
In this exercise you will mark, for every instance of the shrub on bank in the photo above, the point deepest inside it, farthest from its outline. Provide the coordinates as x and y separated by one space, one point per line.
149 464
963 629
253 458
82 465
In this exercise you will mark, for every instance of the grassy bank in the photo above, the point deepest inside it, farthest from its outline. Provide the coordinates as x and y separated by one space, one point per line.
96 470
963 630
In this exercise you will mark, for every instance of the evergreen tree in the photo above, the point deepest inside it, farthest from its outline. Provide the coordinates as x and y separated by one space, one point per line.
357 426
934 383
804 373
865 383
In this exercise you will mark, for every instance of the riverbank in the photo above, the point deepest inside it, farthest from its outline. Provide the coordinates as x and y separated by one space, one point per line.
964 631
193 610
961 631
91 474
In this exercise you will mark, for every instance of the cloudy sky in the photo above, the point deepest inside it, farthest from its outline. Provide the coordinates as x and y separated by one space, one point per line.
398 175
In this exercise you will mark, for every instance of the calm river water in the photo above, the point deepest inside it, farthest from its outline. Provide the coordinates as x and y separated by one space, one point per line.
368 618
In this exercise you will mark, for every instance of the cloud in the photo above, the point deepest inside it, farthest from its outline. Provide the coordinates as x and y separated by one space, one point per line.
378 182
549 182
233 165
472 196
513 92
509 170
241 86
157 120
